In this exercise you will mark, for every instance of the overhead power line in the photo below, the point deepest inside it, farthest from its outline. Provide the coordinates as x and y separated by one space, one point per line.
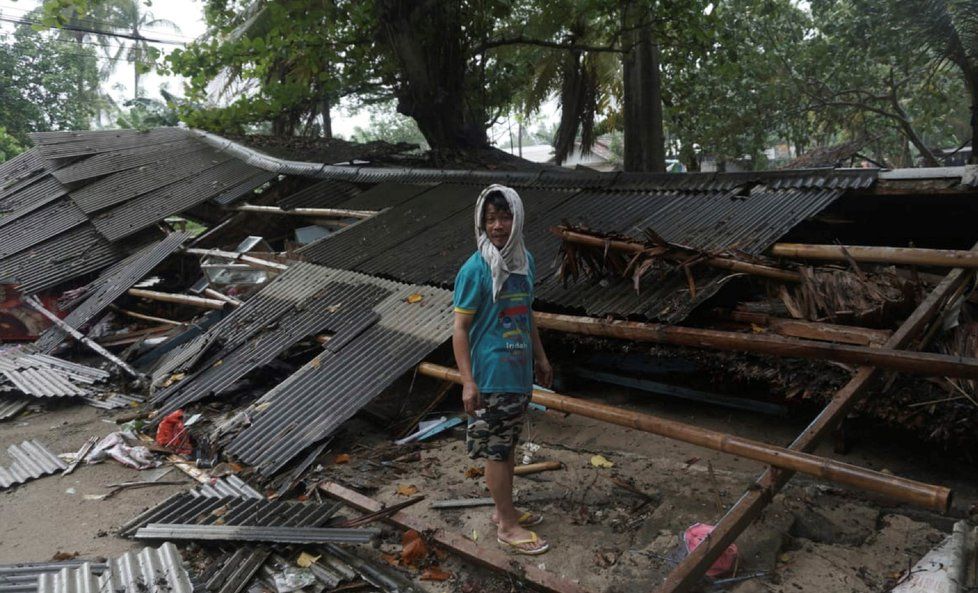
92 31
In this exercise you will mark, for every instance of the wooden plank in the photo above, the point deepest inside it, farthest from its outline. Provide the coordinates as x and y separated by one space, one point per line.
922 363
811 330
512 566
691 569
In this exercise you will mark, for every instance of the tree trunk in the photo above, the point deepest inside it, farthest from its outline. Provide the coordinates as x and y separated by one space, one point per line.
971 82
326 113
642 105
425 38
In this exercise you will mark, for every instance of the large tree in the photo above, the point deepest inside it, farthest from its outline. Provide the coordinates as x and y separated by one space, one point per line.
49 83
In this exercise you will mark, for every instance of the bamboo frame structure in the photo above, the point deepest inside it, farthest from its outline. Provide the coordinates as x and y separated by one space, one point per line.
908 256
909 491
922 363
693 567
636 247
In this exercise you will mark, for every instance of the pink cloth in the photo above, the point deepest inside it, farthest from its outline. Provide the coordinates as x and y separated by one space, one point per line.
695 535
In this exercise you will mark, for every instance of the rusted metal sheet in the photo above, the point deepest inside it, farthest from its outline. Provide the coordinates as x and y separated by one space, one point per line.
112 288
346 376
31 460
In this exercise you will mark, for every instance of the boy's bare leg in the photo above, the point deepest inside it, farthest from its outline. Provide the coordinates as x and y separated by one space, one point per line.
499 479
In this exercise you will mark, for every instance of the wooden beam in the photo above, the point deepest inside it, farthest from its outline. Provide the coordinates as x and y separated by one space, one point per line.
491 558
216 294
310 212
917 493
178 299
908 256
63 326
637 247
921 363
535 468
691 569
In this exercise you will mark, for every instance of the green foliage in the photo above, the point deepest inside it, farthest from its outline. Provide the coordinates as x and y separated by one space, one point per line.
49 83
389 126
144 114
9 147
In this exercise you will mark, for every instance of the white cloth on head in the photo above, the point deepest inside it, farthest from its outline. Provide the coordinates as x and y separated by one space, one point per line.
512 258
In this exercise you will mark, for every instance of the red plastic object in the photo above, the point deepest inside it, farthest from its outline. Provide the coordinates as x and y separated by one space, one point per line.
172 434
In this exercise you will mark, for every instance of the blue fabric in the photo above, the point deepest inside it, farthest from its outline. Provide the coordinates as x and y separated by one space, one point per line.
500 342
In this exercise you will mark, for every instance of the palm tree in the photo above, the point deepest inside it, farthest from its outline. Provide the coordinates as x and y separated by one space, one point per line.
948 29
128 16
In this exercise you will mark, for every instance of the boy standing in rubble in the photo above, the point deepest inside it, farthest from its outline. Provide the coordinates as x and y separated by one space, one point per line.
498 351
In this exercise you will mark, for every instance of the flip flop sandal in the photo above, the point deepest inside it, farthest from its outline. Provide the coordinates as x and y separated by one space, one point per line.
529 519
515 546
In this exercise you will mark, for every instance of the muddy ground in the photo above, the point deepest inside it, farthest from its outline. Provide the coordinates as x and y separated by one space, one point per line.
814 537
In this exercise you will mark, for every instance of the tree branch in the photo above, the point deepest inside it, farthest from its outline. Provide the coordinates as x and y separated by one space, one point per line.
520 40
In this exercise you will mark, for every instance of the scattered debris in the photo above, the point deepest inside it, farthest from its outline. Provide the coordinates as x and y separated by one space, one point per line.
31 460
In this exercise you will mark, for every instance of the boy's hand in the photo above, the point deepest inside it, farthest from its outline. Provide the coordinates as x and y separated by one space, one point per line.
544 372
471 398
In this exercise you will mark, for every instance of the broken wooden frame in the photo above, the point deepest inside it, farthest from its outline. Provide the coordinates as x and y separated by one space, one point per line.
928 496
908 256
492 559
676 254
691 569
922 363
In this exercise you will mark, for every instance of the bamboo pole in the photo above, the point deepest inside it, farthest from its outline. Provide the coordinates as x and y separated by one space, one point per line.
812 330
143 317
311 212
691 569
909 491
535 468
715 262
63 326
921 363
909 256
255 262
179 299
216 294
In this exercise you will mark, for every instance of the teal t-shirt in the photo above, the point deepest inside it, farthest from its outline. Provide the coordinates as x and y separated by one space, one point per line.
499 339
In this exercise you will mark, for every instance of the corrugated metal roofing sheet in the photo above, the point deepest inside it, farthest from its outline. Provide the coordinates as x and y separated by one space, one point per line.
19 172
248 533
42 224
332 308
125 185
111 289
151 207
245 188
59 145
322 194
310 404
67 256
151 570
41 191
31 460
185 508
409 244
10 406
123 160
357 243
37 380
22 578
230 486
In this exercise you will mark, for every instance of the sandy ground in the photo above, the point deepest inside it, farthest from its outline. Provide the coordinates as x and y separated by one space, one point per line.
50 515
814 537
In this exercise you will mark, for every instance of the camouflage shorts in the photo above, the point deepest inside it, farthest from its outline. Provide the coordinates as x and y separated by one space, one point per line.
493 434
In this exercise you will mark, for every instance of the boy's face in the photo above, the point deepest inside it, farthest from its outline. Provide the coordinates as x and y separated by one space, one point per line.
499 225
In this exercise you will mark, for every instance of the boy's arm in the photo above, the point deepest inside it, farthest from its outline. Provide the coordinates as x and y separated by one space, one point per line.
471 398
541 364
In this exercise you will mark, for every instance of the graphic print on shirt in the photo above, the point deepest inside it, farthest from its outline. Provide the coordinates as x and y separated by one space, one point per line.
514 320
